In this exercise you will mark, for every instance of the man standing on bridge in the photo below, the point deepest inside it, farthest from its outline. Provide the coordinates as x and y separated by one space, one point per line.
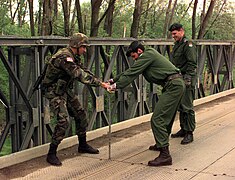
156 69
63 69
184 58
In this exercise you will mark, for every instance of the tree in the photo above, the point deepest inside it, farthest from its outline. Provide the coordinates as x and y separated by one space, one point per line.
108 24
194 19
95 21
145 19
171 17
46 19
136 18
31 17
166 23
21 12
217 15
95 9
79 16
66 4
205 20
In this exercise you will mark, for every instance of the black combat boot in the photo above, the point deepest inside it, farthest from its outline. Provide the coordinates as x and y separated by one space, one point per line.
164 158
180 133
83 147
51 156
188 138
154 148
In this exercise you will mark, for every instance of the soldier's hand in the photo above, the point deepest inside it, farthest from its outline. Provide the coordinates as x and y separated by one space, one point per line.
111 88
105 85
187 80
110 81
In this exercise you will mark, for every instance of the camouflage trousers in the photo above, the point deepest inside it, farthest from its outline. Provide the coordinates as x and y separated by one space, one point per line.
63 107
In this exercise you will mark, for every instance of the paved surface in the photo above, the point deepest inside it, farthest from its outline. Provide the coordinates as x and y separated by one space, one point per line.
210 157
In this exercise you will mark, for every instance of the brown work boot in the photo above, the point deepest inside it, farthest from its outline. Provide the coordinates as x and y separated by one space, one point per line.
154 148
83 147
180 133
188 138
164 158
51 156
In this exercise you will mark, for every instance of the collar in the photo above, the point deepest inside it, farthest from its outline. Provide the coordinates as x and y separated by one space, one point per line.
183 40
75 56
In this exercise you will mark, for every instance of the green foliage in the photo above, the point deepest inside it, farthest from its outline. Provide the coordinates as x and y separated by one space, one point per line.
4 79
58 25
11 29
4 86
6 147
223 29
4 20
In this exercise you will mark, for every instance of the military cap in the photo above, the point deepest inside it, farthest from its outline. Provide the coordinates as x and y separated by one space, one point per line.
133 47
78 39
175 26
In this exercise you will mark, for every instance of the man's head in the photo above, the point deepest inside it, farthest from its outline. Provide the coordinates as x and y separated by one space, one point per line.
79 42
135 49
177 31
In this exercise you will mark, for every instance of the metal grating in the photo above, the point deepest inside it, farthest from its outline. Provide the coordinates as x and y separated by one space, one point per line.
210 156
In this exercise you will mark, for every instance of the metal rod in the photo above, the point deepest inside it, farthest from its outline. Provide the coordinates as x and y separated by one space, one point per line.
110 123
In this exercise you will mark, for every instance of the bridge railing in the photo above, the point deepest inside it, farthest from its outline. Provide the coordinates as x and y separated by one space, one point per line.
28 120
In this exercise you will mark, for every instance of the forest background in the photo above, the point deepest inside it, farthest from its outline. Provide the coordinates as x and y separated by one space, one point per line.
202 19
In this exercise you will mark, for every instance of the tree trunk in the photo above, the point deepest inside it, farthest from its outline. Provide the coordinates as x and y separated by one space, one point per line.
95 23
31 17
171 17
39 17
55 16
108 24
136 18
215 19
167 19
143 30
79 16
206 20
194 19
95 10
72 27
65 5
46 27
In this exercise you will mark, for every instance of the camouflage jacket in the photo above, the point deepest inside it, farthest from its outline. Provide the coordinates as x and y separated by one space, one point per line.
63 68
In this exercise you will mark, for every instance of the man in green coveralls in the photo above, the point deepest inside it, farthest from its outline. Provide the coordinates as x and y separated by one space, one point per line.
184 58
63 69
156 69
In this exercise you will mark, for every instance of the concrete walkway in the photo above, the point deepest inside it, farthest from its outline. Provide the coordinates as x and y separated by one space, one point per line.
210 157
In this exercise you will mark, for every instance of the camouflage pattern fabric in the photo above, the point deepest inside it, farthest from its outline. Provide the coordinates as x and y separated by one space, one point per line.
63 69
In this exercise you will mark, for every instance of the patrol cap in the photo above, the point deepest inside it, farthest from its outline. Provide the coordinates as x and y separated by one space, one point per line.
133 47
78 39
175 26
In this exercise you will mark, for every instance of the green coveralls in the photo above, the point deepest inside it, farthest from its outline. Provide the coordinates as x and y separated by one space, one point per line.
156 68
184 58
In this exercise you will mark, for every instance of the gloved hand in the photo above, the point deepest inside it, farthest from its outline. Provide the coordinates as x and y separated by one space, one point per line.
187 80
110 81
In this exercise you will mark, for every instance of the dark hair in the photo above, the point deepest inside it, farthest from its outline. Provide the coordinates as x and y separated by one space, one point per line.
175 26
133 47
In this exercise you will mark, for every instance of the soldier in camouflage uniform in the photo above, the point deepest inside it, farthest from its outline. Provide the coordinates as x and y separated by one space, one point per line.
156 69
63 69
184 57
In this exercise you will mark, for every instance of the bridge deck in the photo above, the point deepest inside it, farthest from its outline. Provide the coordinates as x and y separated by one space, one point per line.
210 156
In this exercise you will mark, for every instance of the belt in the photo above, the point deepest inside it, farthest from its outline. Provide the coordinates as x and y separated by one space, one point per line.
173 76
